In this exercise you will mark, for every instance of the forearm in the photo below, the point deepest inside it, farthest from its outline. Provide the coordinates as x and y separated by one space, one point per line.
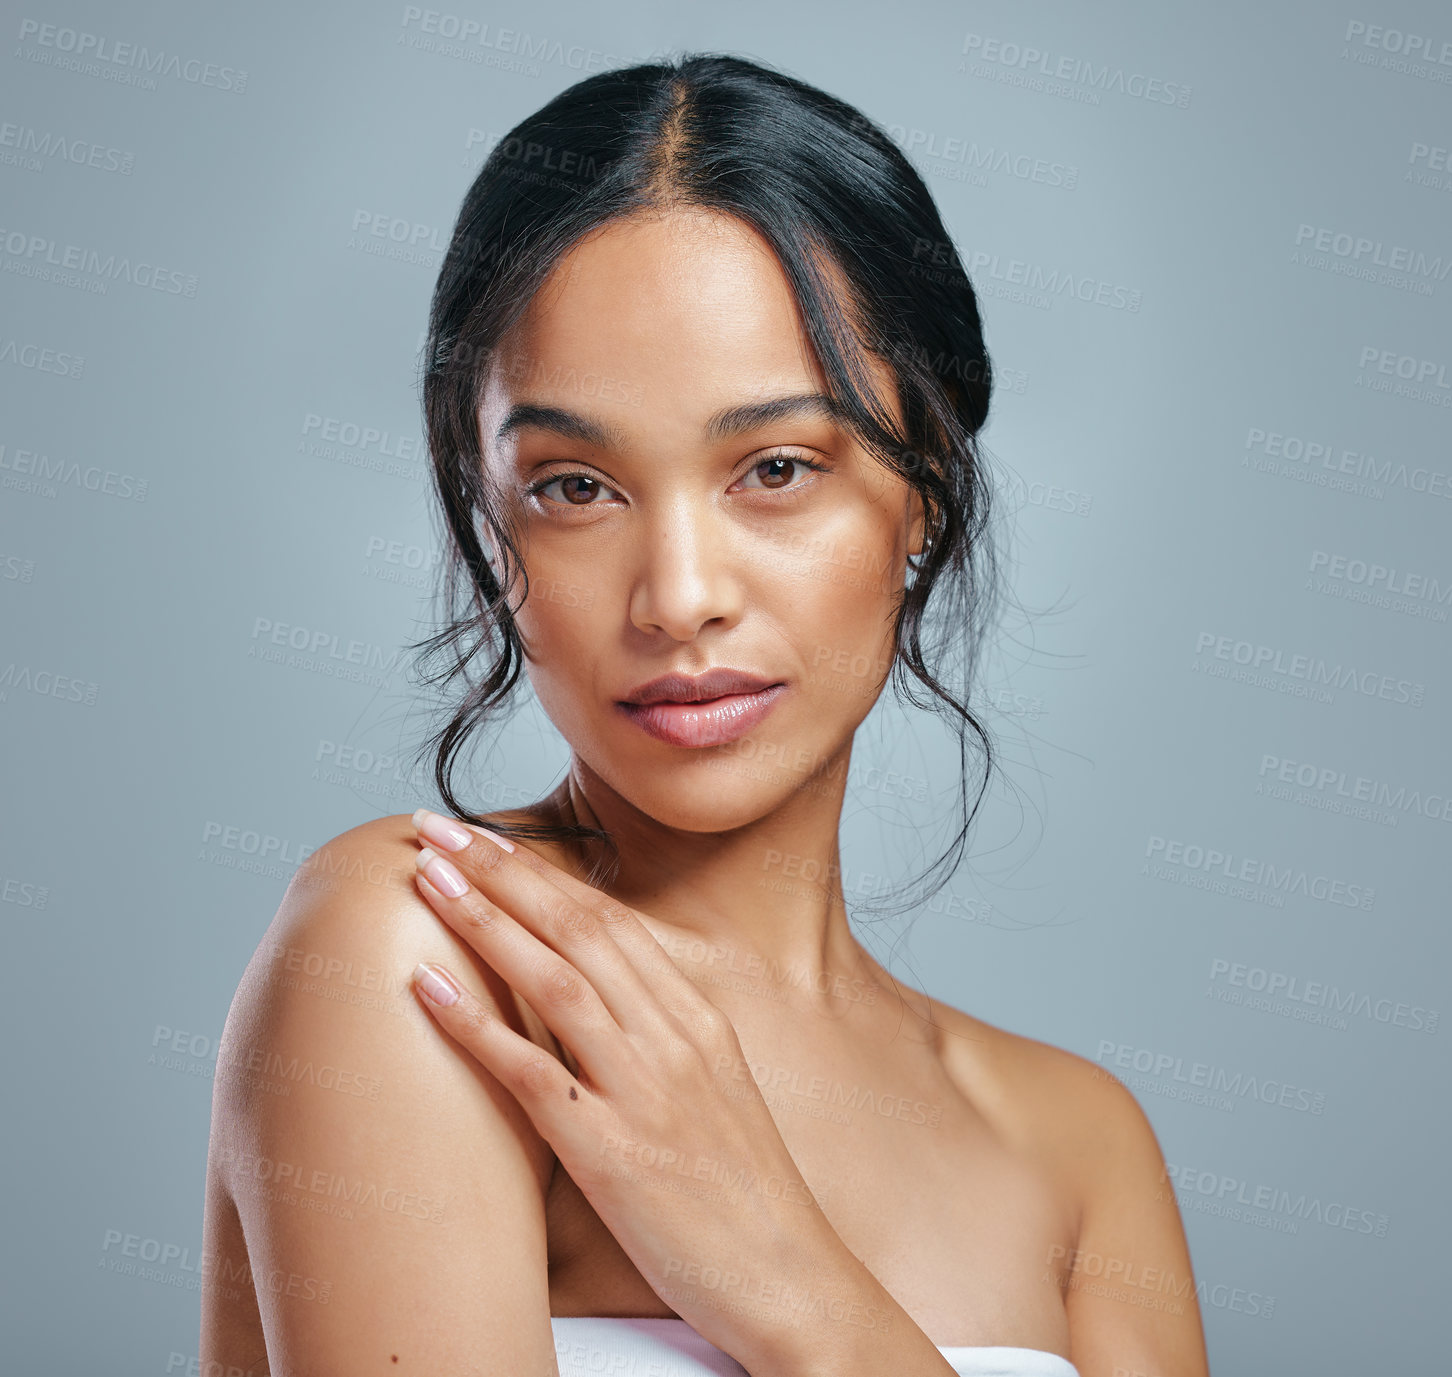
853 1328
812 1307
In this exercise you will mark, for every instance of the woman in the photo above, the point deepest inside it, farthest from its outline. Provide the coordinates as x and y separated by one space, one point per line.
607 1081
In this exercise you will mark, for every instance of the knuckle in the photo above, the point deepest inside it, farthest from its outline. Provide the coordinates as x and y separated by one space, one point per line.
684 1052
614 915
562 987
473 1020
675 1050
483 855
536 1074
713 1024
574 923
479 917
719 1039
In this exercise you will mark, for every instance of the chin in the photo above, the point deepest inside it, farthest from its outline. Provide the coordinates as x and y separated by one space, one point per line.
713 793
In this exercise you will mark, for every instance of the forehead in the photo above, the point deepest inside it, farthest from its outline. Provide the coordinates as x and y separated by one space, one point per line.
678 312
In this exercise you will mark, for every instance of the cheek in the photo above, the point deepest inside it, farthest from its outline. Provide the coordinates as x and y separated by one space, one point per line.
845 641
563 646
834 595
562 625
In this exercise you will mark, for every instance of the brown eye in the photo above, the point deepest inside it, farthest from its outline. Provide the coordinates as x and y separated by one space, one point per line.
581 497
780 469
777 478
577 489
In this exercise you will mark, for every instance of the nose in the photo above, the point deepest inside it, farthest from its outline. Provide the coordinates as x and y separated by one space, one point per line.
687 577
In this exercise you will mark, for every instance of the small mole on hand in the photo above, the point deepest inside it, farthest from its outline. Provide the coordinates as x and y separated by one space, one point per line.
395 1357
573 1094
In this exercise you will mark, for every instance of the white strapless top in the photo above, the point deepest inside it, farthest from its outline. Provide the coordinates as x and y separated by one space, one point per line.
589 1345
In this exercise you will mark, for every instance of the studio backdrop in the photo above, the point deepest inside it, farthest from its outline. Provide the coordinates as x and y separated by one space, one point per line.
1212 246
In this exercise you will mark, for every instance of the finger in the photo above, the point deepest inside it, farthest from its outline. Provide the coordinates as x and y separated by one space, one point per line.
541 1084
584 926
647 956
558 992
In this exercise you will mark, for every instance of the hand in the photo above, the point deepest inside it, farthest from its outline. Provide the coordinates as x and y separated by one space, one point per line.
679 1156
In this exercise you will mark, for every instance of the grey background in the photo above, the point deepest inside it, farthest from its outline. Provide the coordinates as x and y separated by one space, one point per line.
169 498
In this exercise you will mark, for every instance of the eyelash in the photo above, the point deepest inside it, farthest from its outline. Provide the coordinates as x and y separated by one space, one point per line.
536 488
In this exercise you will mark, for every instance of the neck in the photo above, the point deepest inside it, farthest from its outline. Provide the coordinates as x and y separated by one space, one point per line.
763 901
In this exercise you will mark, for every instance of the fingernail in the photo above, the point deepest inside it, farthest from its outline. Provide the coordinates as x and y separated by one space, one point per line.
443 832
435 984
493 836
442 874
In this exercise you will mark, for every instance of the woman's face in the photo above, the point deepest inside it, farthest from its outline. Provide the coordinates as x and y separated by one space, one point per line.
684 506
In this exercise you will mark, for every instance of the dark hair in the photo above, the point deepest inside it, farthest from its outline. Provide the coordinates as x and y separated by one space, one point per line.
837 201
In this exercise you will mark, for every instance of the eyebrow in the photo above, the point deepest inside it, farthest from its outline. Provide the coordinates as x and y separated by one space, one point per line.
734 420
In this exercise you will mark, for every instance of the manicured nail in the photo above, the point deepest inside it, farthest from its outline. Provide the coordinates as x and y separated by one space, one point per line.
441 874
493 836
435 984
445 833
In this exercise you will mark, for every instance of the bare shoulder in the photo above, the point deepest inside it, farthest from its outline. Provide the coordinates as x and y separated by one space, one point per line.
1046 1098
343 944
1130 1291
357 1146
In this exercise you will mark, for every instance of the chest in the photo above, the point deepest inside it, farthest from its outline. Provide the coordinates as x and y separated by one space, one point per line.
971 1238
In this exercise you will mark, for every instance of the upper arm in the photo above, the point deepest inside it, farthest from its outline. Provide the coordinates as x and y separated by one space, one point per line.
390 1191
1129 1289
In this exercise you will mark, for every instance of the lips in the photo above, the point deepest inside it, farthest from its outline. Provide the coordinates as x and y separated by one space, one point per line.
707 710
685 688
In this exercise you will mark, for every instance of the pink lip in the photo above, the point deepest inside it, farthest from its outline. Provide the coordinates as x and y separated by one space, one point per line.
709 723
